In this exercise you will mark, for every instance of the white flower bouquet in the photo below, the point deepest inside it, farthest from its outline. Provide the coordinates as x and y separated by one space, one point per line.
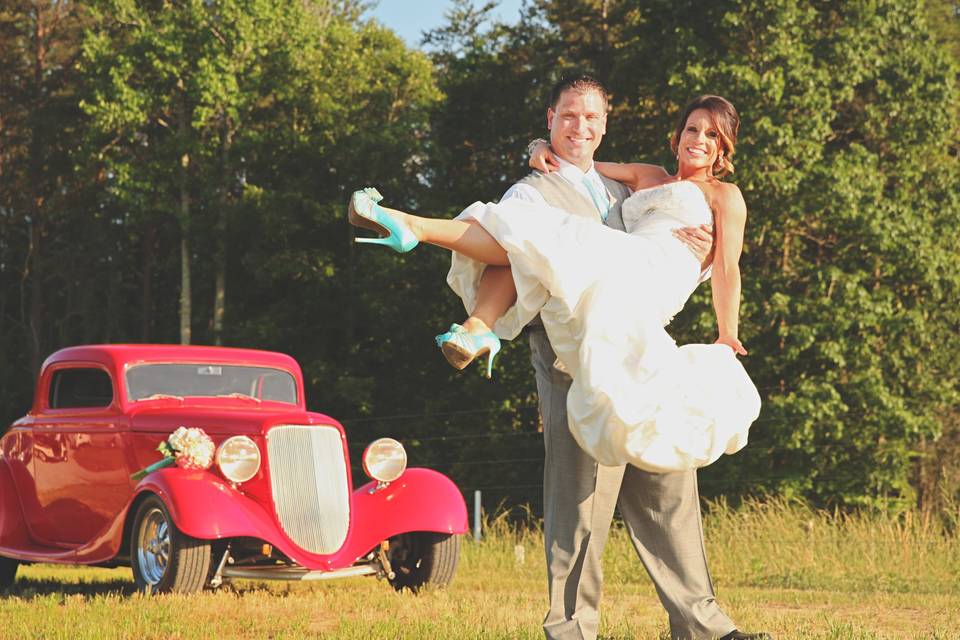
187 448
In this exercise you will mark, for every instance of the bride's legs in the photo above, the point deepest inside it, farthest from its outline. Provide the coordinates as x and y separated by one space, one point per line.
464 343
496 292
463 236
495 295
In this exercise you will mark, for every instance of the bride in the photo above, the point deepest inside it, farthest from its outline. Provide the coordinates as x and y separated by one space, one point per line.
605 297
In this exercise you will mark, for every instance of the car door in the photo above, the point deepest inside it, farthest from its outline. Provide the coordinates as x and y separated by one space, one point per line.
79 457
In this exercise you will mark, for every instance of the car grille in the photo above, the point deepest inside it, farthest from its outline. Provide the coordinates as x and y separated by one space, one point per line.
309 481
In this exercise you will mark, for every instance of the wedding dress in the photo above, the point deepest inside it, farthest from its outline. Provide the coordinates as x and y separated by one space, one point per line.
604 297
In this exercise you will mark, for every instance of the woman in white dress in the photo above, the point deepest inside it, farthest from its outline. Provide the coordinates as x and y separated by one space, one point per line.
605 296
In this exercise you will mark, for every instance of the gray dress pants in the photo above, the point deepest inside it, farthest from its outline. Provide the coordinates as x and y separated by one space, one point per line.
661 513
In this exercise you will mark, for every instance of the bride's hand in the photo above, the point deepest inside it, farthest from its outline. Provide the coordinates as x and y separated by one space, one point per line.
542 158
733 343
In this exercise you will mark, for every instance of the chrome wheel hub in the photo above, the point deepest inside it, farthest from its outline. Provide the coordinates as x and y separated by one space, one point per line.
153 546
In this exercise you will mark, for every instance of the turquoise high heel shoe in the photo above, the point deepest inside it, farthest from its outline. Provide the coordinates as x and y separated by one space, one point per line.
461 347
363 211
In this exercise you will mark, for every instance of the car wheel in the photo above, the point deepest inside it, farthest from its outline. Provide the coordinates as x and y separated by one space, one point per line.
8 572
164 560
423 558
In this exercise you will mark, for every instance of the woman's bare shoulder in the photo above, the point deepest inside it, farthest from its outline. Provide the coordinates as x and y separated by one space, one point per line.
648 175
727 200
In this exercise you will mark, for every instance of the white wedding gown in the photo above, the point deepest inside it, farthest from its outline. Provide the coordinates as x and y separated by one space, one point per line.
604 297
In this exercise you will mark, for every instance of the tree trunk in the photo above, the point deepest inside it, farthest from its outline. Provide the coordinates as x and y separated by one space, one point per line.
35 164
3 129
220 231
36 296
350 299
606 59
184 287
146 301
184 217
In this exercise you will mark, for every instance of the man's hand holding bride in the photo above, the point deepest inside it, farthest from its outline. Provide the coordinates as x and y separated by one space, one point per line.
699 240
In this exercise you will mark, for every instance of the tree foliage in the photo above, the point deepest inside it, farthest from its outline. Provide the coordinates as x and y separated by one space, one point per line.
850 267
178 172
848 164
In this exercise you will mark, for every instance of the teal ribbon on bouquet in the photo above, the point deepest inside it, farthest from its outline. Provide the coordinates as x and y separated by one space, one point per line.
143 473
169 459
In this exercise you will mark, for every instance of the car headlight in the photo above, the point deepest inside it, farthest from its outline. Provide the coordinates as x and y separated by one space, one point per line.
384 460
238 458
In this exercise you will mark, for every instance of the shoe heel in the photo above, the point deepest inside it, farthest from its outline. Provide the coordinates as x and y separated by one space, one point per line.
491 354
388 241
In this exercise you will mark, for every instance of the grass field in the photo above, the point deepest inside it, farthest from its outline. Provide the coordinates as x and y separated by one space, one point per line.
781 567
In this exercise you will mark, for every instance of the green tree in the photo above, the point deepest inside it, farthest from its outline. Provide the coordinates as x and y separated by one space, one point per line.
944 19
358 120
175 89
222 140
848 267
845 162
37 93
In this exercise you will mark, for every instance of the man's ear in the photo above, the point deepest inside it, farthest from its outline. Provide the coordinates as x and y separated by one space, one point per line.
550 115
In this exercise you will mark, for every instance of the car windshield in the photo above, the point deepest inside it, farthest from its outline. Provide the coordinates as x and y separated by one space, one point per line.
151 381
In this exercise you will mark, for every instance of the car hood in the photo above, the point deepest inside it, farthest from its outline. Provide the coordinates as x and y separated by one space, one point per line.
221 420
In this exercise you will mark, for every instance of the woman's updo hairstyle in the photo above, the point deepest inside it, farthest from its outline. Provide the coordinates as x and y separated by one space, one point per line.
727 121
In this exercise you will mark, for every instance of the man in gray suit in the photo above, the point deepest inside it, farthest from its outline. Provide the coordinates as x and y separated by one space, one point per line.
661 511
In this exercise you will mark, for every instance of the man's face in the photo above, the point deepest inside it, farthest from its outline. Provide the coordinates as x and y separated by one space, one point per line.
577 124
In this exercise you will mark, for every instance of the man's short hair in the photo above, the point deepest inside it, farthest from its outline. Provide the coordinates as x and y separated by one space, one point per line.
581 84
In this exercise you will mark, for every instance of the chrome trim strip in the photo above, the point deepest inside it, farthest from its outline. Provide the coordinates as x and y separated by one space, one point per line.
283 573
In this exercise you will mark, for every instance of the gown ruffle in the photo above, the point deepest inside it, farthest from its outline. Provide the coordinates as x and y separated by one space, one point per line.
604 297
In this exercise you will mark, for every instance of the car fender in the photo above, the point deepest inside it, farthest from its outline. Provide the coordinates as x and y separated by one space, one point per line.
419 500
204 506
13 531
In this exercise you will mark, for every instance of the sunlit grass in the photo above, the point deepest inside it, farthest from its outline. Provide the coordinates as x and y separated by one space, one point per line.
783 567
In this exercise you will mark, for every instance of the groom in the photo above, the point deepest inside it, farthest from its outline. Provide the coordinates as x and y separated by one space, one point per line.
661 511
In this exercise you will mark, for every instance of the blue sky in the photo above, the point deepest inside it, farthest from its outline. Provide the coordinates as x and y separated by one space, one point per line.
409 18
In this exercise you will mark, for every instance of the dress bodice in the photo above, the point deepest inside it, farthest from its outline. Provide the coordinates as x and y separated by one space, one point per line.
664 207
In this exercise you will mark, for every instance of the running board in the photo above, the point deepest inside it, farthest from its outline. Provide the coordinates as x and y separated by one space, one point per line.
284 573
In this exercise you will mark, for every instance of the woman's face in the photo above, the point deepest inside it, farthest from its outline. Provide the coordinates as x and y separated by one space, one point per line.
700 141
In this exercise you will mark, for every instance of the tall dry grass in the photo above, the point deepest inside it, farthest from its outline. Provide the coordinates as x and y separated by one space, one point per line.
798 572
780 543
772 543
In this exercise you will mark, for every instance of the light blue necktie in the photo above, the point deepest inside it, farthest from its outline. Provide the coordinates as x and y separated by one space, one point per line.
602 206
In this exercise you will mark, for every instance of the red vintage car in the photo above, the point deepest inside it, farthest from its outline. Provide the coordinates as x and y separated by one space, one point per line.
278 502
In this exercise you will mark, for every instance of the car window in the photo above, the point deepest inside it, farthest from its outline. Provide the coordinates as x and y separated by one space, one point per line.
147 381
80 388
